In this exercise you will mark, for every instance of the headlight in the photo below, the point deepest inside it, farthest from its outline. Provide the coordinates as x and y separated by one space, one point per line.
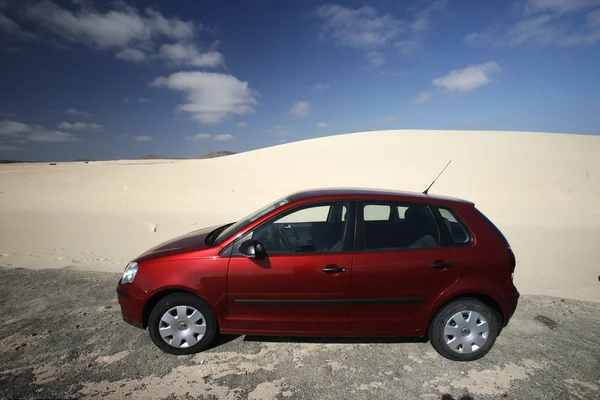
129 273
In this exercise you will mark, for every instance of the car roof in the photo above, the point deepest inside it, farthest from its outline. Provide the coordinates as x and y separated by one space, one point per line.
343 192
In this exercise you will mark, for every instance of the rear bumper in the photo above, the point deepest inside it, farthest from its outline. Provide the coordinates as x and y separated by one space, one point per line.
131 299
513 301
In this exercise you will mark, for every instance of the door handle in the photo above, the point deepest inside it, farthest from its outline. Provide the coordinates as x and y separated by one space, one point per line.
333 270
441 265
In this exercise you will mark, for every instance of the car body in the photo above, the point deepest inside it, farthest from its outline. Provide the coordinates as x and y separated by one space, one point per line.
331 262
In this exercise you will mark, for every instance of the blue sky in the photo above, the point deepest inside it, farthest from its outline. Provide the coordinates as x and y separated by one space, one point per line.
98 80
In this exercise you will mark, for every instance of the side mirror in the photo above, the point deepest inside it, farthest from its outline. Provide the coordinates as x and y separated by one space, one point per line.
252 249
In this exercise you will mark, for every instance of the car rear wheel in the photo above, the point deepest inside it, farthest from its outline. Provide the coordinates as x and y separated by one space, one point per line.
464 330
182 323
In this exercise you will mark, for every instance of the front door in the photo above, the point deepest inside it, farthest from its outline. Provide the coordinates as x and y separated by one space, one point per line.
399 267
302 284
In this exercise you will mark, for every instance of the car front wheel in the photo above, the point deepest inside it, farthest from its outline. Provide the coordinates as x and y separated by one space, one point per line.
182 323
464 330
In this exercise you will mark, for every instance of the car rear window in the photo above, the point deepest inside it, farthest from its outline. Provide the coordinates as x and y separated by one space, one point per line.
457 230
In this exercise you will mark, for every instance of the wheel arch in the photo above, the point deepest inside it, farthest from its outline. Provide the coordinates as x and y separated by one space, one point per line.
484 298
158 296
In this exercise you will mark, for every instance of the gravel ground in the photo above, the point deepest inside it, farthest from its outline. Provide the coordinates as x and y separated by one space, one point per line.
62 336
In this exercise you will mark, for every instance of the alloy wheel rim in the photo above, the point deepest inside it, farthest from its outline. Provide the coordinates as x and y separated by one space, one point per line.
182 326
466 332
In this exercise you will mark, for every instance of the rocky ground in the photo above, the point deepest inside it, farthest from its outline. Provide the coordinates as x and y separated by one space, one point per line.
62 336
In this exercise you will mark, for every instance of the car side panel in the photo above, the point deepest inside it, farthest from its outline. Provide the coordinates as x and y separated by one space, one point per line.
484 268
289 293
197 272
401 285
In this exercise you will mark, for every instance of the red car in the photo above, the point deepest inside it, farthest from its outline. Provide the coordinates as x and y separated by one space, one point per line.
336 262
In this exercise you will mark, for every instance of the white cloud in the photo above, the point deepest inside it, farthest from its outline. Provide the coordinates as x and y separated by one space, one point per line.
13 128
537 30
22 133
414 42
385 120
242 124
199 136
7 115
422 97
409 46
593 19
132 55
367 29
188 54
422 21
279 131
127 100
559 6
143 138
80 126
361 28
320 87
323 124
173 28
375 59
52 137
300 109
9 148
546 23
119 27
73 111
206 136
223 138
468 79
13 29
143 100
212 97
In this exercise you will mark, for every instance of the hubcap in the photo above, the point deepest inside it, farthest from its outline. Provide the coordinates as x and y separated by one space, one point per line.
182 326
466 332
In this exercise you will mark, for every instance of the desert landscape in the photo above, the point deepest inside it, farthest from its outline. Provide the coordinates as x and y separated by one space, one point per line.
68 230
541 189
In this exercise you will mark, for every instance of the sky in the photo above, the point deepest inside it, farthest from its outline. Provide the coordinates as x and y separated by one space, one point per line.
118 79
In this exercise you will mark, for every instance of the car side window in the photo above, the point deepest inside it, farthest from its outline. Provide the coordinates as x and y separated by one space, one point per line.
376 212
402 226
458 232
314 228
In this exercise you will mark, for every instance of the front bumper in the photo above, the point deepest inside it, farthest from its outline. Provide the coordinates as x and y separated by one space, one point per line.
131 299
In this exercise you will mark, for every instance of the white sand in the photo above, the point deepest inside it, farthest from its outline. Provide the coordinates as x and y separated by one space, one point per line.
542 189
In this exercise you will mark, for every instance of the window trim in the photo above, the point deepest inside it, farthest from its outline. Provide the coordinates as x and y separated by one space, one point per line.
349 231
359 222
448 235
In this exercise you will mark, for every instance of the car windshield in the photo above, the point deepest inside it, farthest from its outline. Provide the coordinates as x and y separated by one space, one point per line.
249 219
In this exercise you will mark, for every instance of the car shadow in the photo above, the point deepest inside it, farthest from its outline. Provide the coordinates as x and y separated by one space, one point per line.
221 339
333 340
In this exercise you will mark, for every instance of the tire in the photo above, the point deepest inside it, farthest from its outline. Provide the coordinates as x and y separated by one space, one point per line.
472 340
185 326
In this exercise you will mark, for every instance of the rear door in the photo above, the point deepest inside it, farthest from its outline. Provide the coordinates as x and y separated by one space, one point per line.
399 267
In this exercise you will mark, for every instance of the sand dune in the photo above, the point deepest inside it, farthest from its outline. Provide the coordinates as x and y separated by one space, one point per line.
542 189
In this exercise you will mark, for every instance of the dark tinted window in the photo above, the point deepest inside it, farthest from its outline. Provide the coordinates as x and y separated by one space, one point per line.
458 232
387 226
318 228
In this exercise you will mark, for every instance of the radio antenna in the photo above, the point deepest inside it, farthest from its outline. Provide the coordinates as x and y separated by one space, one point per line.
436 178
